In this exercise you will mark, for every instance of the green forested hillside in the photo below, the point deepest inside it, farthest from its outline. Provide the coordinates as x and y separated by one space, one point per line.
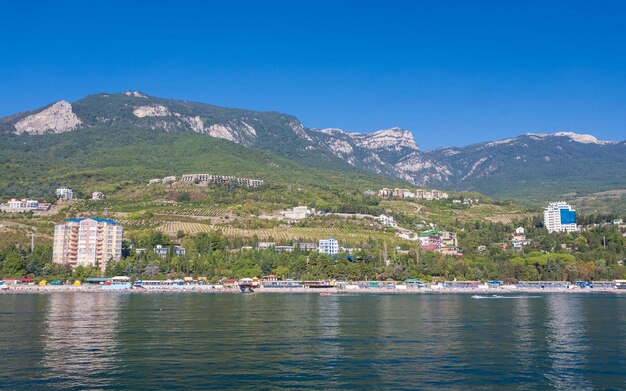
114 157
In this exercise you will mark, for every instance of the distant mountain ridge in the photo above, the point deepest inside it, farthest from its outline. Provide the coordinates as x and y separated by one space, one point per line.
562 161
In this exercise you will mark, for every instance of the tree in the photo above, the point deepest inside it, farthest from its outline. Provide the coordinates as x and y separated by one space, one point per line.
14 265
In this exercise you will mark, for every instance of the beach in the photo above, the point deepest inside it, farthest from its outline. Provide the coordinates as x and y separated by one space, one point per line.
203 289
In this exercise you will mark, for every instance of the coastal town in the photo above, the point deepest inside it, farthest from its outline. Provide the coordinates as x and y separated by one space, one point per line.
97 243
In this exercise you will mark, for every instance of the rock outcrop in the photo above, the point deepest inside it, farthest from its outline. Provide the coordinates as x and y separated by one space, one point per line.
57 118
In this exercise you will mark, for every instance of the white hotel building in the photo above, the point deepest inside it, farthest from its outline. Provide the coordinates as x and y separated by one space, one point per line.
559 217
87 241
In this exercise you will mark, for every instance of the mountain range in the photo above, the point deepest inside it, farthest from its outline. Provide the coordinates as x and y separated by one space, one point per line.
531 165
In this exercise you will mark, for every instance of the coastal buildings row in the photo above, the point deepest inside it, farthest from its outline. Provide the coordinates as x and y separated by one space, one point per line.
328 246
24 205
87 242
560 217
272 281
222 179
417 194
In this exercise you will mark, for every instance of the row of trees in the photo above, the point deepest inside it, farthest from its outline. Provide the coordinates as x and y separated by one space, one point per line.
596 254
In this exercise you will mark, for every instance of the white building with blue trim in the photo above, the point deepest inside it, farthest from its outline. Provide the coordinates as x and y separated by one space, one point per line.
328 246
560 217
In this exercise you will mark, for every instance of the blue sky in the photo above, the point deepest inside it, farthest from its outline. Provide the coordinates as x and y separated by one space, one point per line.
453 72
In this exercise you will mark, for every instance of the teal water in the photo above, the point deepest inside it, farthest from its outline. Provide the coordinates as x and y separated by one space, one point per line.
278 341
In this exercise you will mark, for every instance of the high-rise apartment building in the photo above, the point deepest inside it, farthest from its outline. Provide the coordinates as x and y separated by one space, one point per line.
559 217
87 242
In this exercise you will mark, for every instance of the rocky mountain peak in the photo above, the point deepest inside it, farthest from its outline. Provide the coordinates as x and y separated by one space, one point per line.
393 138
577 137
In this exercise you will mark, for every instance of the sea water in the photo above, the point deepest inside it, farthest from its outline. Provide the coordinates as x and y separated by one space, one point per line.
277 341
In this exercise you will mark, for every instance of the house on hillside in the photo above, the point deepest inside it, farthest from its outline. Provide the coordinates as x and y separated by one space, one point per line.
97 196
164 250
387 220
328 246
65 193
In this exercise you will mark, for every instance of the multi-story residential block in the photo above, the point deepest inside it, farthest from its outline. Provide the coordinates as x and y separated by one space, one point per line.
222 179
328 246
87 242
65 193
559 217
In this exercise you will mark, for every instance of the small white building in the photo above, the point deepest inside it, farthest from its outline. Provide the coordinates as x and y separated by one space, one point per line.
65 193
298 213
265 245
328 246
97 195
307 246
169 179
520 231
387 220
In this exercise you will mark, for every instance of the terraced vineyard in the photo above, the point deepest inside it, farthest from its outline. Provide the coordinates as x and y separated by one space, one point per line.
282 234
205 211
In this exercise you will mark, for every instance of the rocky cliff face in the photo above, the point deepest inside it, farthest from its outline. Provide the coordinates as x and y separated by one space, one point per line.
57 118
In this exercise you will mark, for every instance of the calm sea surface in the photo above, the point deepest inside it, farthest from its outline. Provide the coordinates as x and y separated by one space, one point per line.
277 341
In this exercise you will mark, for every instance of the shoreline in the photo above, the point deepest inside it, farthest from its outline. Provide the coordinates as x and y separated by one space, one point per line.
490 292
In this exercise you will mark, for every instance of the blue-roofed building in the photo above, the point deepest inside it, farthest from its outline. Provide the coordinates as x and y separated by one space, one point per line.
559 217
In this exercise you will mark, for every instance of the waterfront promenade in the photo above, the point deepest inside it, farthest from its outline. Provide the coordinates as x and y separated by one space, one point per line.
203 289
